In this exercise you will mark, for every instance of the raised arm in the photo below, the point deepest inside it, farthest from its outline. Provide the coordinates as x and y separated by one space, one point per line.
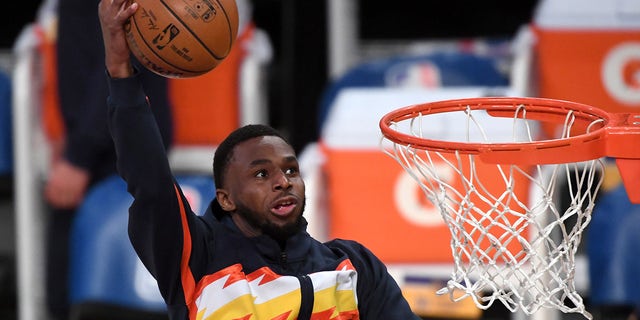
158 213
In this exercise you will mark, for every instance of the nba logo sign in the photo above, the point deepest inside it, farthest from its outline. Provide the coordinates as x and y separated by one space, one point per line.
420 74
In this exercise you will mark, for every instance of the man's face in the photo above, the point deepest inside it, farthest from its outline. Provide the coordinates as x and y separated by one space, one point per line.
263 188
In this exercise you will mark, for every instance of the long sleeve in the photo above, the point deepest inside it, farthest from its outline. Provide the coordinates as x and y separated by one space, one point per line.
83 89
158 216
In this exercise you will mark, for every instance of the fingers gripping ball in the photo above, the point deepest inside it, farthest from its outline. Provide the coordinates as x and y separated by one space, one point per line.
182 38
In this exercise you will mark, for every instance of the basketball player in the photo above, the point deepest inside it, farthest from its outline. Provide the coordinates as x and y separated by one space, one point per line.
249 256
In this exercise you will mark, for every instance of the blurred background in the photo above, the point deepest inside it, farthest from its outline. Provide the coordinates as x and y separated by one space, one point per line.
298 60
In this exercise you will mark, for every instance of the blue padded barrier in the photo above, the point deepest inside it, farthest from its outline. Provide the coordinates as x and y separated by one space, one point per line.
104 266
6 127
613 244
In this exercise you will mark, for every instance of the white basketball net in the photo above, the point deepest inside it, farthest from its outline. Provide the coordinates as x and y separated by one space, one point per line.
520 252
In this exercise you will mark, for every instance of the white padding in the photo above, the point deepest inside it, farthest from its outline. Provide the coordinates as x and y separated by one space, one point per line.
353 122
588 14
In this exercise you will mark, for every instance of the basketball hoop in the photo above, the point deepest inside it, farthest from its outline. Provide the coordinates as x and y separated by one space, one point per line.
512 246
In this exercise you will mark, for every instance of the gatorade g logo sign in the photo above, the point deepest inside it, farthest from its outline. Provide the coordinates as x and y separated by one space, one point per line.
621 73
464 181
412 202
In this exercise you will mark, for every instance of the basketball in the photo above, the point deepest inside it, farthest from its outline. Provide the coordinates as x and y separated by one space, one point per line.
182 38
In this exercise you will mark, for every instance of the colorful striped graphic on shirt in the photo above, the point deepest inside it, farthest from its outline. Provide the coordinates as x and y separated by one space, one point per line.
262 294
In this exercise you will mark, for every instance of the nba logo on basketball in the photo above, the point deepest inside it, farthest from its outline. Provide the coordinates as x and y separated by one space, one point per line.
164 37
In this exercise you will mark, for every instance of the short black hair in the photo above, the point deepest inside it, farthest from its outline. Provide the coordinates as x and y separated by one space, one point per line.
225 150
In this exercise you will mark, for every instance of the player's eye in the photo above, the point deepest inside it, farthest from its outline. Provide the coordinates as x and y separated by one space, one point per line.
261 174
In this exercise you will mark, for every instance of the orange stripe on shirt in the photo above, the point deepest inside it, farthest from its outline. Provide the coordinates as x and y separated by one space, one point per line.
188 282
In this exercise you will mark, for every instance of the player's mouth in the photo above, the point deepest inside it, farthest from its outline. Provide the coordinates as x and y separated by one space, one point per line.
284 207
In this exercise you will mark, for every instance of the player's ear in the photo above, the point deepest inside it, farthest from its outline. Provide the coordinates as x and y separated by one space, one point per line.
224 200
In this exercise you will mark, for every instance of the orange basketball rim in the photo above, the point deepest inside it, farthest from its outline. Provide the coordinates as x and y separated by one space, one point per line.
595 133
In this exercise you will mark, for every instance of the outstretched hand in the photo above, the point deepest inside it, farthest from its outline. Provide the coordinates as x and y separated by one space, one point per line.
113 16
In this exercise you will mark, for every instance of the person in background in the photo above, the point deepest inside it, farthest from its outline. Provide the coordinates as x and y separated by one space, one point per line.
86 154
